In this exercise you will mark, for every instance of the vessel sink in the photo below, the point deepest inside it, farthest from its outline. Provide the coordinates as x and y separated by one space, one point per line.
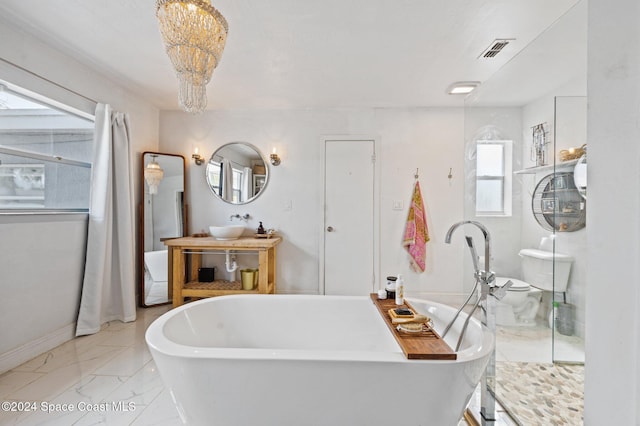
229 232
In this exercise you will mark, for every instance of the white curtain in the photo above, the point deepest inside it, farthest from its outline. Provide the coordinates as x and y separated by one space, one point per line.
247 184
108 289
227 180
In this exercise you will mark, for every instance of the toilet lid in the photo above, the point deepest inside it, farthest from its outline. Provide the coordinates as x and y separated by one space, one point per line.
517 284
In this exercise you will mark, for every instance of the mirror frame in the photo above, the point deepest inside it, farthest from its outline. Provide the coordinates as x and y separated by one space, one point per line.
266 172
141 287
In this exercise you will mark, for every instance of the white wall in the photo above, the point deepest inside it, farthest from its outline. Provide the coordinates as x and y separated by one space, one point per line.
40 302
428 139
612 369
41 259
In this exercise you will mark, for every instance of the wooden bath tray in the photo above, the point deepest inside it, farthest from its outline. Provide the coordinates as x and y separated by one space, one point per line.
424 345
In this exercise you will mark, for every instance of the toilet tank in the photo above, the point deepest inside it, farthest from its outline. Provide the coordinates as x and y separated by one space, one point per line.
538 269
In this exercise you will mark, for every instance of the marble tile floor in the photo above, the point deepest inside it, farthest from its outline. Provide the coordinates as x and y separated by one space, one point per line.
535 344
106 378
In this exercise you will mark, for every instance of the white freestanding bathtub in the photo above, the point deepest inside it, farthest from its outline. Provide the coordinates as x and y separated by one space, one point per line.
288 360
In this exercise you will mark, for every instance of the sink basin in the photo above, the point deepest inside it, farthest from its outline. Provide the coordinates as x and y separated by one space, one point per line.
229 232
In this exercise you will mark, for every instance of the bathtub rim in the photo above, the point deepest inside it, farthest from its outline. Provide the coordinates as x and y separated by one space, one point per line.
159 343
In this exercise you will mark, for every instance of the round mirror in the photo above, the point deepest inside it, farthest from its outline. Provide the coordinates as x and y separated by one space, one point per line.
237 173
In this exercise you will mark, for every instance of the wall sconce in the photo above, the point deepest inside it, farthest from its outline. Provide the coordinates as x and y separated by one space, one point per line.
275 160
199 159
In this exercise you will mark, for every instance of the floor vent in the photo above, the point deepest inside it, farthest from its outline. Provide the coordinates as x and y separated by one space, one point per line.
496 47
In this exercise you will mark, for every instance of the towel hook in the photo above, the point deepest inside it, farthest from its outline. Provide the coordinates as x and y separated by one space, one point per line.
450 175
416 175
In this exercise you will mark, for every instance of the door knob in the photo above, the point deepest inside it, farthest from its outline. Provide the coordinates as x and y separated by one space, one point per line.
329 228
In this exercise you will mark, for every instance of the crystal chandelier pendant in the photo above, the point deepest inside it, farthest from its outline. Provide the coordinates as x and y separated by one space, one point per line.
194 35
192 97
153 174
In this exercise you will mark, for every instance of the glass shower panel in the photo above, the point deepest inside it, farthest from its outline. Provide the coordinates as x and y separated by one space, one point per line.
570 239
503 108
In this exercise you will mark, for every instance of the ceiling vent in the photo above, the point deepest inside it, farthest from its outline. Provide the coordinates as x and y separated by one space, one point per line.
496 47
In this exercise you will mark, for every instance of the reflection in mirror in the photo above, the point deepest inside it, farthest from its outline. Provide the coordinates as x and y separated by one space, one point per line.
162 216
580 176
237 173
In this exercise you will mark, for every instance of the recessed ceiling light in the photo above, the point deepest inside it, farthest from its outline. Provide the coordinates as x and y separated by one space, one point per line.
462 87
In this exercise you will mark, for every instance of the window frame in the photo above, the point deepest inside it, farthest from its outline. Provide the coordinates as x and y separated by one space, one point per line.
238 175
53 159
506 178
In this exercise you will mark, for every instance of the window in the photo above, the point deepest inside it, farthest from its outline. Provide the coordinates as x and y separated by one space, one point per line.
493 178
45 154
214 177
236 181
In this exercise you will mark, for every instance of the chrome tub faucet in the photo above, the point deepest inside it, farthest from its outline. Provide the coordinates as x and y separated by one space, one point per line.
486 278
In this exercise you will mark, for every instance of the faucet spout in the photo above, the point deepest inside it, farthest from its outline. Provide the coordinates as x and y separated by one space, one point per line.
244 217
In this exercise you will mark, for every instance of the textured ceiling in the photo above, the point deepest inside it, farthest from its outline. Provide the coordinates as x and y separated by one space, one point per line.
313 54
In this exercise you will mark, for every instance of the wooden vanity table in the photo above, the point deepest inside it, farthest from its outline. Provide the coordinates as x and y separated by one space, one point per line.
185 258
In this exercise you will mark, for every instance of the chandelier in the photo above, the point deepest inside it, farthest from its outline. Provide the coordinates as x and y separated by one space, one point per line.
194 35
153 174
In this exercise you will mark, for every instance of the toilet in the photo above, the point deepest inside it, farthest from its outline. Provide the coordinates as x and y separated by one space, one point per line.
520 305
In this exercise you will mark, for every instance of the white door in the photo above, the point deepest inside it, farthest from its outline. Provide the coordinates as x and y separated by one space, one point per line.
349 217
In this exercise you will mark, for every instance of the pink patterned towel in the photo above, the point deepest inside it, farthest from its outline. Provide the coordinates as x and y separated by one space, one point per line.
416 233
